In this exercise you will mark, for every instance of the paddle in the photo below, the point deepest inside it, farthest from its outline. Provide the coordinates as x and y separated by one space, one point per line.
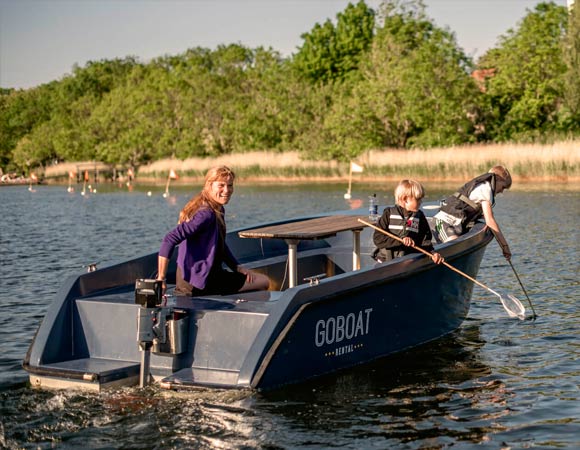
511 304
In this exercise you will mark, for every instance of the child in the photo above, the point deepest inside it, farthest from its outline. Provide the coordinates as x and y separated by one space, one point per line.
474 200
406 221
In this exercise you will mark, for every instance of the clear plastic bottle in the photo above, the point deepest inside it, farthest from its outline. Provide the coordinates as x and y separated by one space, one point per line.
373 208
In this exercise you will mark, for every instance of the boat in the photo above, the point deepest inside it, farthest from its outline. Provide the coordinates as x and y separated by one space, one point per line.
330 306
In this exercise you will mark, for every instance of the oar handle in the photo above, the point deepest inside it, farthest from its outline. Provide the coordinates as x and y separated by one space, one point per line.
385 232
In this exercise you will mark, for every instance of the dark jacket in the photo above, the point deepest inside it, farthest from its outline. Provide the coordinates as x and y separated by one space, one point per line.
402 223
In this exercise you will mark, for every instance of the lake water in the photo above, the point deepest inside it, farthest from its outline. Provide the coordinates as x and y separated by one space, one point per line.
495 383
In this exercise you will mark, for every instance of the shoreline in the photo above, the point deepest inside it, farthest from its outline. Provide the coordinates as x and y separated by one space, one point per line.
256 179
548 183
529 164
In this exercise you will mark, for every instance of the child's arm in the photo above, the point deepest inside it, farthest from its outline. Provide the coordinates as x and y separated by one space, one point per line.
491 223
380 239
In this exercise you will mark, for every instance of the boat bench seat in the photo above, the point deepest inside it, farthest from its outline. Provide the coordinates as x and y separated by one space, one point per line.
310 263
342 258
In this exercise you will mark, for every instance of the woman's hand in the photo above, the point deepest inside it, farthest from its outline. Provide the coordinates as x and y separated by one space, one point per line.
163 285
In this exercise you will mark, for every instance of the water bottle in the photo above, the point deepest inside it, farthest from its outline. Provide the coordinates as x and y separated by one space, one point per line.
373 208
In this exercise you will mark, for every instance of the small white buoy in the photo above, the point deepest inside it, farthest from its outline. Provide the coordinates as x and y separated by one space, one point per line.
148 193
94 190
347 196
165 195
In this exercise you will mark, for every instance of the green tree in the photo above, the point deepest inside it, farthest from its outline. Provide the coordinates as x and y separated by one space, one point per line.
35 149
525 93
226 99
238 99
257 114
572 75
332 52
126 125
97 78
416 90
6 139
69 135
20 112
48 122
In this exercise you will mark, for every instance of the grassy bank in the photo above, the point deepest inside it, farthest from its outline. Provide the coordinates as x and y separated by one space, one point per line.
527 162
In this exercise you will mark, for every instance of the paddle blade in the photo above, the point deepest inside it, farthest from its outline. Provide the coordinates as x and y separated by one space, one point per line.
513 306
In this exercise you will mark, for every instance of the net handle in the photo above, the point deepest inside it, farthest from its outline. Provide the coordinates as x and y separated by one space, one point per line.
446 264
397 238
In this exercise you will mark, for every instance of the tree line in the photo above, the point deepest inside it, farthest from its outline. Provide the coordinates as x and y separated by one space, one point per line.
369 79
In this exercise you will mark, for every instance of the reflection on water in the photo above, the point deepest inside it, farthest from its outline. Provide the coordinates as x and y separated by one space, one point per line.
495 383
412 397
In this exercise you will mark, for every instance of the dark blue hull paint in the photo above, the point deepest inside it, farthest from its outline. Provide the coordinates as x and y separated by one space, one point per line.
88 337
396 314
354 327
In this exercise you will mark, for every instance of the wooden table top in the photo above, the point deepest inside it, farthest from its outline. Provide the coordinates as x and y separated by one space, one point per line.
318 228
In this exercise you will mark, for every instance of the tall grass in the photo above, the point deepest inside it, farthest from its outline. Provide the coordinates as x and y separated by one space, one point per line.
559 160
536 162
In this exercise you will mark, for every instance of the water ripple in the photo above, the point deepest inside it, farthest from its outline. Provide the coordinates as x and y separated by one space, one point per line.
495 383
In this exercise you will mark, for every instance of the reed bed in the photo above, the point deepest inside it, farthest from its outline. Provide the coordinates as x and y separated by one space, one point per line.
534 162
539 162
257 162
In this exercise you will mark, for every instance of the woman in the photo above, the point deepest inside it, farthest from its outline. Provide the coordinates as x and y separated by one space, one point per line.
200 235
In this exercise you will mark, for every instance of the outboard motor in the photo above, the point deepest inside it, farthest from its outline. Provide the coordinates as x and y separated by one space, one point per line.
148 295
161 329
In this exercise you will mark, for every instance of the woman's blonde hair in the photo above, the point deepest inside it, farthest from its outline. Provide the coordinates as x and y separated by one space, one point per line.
409 188
203 199
504 174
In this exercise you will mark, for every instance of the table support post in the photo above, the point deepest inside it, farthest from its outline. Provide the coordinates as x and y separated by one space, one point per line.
356 249
292 262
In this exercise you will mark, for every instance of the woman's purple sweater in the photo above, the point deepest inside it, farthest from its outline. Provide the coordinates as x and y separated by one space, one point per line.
198 246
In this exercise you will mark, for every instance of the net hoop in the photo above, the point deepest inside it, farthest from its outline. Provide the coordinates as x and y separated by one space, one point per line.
513 306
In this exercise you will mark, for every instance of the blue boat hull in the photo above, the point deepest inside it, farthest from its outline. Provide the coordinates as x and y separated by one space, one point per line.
258 340
368 315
